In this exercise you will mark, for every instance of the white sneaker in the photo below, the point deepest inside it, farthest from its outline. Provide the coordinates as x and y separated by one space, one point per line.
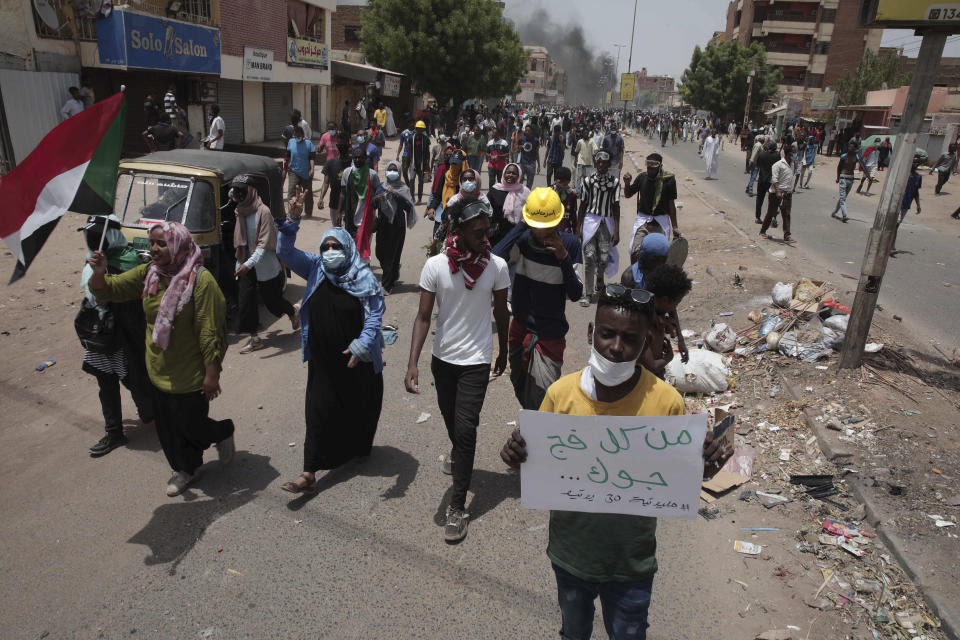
225 450
178 482
584 301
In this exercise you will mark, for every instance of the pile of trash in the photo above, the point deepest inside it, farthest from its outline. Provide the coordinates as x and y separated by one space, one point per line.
803 322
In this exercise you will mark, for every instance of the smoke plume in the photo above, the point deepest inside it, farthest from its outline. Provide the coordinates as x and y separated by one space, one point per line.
568 48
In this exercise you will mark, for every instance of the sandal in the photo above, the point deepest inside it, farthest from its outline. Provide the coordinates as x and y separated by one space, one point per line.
295 318
308 487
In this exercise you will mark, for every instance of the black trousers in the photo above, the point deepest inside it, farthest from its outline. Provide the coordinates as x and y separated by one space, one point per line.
942 177
551 169
460 393
762 189
185 428
494 175
110 402
407 167
251 291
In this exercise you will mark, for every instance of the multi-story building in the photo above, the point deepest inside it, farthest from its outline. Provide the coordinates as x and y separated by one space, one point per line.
210 51
661 88
544 81
813 41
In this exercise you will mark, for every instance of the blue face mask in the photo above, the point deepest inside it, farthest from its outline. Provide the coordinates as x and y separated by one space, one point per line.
333 259
393 175
469 186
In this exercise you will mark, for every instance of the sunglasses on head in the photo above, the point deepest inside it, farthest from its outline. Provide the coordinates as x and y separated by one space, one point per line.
620 292
653 163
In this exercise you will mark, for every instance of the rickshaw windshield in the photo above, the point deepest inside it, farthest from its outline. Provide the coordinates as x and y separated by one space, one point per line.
153 198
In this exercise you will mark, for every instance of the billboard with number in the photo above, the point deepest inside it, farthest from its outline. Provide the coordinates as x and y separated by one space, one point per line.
910 13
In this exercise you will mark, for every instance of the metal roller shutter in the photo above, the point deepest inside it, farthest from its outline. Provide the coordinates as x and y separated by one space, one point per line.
231 108
277 105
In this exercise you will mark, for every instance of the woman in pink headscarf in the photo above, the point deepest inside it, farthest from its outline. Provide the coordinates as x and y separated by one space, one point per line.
507 198
185 313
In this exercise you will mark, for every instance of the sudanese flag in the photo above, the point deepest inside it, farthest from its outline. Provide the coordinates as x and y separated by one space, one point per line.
74 168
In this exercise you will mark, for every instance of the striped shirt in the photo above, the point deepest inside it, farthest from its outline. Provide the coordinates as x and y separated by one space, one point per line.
170 104
601 191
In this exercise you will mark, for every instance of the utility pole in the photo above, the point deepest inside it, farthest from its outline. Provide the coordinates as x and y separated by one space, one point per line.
746 113
884 230
633 30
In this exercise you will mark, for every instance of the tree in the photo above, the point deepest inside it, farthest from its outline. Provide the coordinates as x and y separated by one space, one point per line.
717 78
872 73
452 48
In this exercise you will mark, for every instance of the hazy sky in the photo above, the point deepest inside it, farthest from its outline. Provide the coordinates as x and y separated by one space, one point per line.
666 31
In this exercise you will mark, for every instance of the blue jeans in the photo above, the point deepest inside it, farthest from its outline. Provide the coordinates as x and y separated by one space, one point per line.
624 604
845 184
753 178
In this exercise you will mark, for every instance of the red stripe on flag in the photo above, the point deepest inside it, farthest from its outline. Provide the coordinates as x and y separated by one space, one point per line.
365 231
68 145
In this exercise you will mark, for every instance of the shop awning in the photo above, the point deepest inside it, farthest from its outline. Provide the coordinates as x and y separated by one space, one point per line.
358 71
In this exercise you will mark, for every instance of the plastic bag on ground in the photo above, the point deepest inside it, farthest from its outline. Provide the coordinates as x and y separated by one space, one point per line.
782 294
806 290
806 351
706 372
833 338
837 322
721 338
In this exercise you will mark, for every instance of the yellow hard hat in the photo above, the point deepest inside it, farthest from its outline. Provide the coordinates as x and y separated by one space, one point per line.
543 208
420 125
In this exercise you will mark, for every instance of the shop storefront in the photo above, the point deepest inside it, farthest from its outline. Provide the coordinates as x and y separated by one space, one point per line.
147 54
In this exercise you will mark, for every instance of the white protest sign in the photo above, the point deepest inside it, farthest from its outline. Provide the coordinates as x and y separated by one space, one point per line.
645 466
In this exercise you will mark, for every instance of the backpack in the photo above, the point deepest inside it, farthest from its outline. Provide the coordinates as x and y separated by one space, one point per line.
96 333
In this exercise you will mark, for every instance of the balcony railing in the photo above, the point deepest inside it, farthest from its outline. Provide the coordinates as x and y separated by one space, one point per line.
789 16
66 23
780 47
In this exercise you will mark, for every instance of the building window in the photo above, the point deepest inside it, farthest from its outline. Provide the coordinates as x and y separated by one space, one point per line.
736 21
316 30
828 15
815 81
351 34
823 46
533 65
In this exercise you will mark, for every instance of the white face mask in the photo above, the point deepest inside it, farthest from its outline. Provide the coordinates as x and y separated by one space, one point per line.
393 175
333 259
468 186
609 373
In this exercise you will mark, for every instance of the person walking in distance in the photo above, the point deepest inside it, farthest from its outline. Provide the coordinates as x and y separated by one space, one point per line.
214 139
498 149
752 163
945 165
711 153
529 145
73 105
781 195
553 157
809 162
871 158
765 161
845 168
598 224
329 152
301 155
910 193
461 282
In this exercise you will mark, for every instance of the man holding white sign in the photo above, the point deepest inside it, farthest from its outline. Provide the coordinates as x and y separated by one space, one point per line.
592 475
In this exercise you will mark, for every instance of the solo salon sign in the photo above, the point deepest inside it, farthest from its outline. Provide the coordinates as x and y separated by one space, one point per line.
129 39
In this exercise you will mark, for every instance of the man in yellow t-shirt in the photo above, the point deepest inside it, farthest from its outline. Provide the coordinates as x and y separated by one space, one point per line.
380 115
610 555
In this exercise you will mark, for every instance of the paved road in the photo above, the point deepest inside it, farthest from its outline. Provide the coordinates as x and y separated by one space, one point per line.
94 549
914 284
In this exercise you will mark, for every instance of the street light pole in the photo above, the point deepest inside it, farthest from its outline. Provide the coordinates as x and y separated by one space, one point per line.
633 29
746 113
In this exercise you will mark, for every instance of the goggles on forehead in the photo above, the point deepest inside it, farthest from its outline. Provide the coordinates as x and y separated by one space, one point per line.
620 292
474 210
602 155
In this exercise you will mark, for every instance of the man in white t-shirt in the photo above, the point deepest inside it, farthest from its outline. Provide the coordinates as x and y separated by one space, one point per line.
217 129
461 281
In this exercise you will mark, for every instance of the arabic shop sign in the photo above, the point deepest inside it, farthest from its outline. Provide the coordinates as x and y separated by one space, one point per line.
909 13
646 466
304 53
129 39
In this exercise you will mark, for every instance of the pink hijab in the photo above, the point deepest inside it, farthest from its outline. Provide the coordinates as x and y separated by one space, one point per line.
516 196
185 263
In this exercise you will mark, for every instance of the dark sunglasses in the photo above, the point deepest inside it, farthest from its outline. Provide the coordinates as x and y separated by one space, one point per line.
620 292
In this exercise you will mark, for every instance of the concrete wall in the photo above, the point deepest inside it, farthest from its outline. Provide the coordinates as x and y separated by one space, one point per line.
252 112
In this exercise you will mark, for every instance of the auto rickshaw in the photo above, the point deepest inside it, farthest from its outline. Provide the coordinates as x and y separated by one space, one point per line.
190 187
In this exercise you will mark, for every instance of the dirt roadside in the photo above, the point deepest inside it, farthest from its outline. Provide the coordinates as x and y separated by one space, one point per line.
897 446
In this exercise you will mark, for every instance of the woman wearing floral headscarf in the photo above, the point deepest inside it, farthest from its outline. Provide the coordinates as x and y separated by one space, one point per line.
507 198
395 215
340 318
185 313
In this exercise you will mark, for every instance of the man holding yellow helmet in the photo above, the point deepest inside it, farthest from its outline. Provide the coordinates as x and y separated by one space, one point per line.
545 278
